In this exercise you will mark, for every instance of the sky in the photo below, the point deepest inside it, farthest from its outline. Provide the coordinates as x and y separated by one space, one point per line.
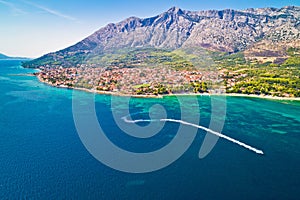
32 28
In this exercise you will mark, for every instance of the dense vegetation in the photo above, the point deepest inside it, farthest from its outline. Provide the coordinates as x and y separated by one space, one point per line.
179 59
193 87
129 57
245 77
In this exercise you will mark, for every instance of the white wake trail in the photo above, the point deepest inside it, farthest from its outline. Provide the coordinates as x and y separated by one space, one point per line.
217 134
199 127
136 121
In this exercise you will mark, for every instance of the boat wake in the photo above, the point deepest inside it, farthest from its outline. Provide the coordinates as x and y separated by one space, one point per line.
199 127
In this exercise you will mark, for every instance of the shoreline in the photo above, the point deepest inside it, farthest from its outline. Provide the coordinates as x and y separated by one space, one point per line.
102 92
170 95
239 95
263 97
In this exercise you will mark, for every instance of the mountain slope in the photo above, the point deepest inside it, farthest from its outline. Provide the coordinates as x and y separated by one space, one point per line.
265 31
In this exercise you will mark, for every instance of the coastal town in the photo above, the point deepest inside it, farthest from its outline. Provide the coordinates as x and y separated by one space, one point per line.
151 72
129 81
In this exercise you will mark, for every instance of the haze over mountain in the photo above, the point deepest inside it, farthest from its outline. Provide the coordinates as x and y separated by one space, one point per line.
267 32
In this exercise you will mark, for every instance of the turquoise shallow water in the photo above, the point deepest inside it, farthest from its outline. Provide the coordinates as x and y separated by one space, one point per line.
42 155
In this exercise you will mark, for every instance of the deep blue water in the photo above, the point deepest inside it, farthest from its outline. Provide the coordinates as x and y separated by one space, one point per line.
42 156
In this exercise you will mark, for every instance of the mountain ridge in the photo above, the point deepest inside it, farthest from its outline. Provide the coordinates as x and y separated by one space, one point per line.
256 32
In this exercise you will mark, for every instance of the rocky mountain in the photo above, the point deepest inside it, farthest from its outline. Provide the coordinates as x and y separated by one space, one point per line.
263 32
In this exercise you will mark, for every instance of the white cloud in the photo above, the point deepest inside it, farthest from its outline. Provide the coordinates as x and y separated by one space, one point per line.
16 11
50 11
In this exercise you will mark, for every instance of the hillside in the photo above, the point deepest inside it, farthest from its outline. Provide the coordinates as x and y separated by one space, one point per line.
259 33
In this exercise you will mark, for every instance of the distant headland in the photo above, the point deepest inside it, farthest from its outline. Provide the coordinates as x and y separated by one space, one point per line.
5 57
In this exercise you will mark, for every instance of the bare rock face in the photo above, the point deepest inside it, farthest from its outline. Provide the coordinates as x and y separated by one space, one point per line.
255 31
168 30
226 30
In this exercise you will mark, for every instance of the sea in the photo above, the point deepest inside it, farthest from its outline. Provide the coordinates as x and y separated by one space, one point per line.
43 154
